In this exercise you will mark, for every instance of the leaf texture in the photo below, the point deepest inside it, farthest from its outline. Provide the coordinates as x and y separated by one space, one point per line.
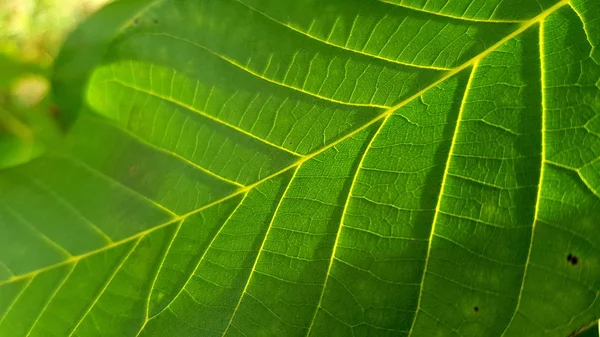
311 168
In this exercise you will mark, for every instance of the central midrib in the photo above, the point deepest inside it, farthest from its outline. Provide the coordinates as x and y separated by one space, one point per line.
524 26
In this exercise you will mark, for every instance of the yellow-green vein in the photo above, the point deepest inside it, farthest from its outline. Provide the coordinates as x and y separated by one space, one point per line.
200 260
579 174
254 73
441 195
68 205
58 288
5 267
16 299
456 17
260 250
158 269
174 155
541 180
37 232
119 184
339 231
106 285
327 42
204 114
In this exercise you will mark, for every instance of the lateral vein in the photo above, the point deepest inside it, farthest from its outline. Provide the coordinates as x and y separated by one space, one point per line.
254 73
339 230
327 42
441 195
205 115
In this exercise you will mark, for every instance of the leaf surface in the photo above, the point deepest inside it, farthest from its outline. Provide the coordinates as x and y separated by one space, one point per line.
265 168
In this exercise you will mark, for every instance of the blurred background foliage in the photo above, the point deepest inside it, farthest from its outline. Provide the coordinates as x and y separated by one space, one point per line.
33 30
31 33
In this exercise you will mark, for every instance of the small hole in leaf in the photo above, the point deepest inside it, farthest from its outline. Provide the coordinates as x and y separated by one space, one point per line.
569 257
476 309
573 259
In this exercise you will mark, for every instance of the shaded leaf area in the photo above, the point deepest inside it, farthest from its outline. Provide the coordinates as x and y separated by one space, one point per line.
246 167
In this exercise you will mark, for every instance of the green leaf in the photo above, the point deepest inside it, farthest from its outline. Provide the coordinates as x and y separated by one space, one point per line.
338 168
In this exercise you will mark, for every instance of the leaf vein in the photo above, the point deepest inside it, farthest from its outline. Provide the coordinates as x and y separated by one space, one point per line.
441 194
254 73
451 16
106 285
345 47
203 114
340 227
260 250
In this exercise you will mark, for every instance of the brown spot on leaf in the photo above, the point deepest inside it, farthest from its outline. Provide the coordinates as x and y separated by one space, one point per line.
54 111
132 169
476 309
